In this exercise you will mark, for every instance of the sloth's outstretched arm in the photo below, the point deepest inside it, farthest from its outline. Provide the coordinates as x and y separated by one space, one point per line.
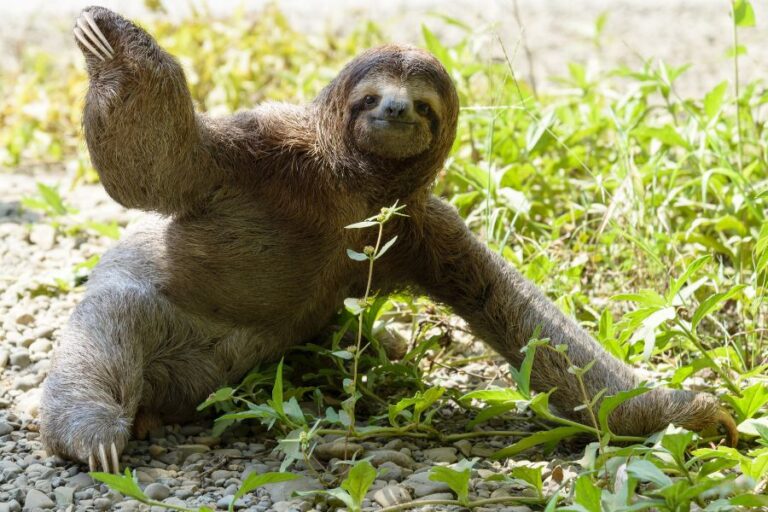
504 309
150 148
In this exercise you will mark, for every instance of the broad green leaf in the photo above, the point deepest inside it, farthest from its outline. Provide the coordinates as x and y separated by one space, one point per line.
587 494
713 101
751 401
357 256
359 480
255 480
545 436
457 478
750 500
52 198
743 14
678 283
219 395
713 303
529 475
647 330
648 472
124 484
610 403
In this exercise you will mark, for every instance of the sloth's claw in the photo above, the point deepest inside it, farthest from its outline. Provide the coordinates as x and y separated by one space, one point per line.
99 34
115 459
90 36
92 463
81 37
103 459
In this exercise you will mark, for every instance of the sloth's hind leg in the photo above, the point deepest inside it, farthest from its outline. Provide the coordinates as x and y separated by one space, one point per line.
95 384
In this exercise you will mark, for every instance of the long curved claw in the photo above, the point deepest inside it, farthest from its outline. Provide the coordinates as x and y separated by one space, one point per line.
99 34
115 459
81 37
731 431
88 33
92 463
103 459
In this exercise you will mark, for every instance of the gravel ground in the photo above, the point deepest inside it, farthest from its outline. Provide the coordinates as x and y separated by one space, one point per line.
179 465
185 465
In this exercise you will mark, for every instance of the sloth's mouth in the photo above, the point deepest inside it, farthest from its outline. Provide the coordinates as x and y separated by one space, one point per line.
380 121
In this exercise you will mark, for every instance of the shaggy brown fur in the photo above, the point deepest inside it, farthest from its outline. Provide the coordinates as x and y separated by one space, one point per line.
247 256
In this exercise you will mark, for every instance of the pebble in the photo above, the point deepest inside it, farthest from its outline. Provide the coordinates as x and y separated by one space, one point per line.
37 500
27 382
283 491
20 358
464 446
227 500
102 503
64 495
423 486
379 457
5 428
80 481
392 495
391 471
443 454
157 491
337 450
43 235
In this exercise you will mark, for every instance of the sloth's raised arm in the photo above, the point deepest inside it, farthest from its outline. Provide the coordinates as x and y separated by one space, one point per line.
504 309
150 148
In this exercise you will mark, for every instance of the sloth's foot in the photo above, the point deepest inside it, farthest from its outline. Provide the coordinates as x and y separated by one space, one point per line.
107 462
87 32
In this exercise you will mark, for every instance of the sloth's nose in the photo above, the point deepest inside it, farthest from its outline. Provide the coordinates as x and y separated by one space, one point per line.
395 108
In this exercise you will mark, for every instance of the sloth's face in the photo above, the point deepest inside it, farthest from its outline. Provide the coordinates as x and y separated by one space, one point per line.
392 117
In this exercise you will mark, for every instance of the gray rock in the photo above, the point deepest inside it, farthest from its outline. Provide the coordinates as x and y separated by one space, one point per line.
391 471
5 428
36 500
222 474
4 355
64 495
337 450
283 491
41 346
442 454
392 495
439 496
102 503
255 468
464 446
379 457
423 486
20 358
80 481
25 318
44 236
27 382
157 491
227 500
185 450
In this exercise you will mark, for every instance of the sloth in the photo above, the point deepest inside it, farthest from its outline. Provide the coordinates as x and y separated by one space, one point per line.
243 252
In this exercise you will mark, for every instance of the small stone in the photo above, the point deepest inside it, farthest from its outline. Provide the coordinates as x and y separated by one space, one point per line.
464 446
157 492
482 451
188 449
391 471
227 500
438 496
80 481
36 500
41 347
443 454
20 358
5 428
379 457
283 491
227 452
102 503
222 474
337 450
4 355
43 235
27 382
29 402
156 450
255 468
64 495
423 486
25 319
392 495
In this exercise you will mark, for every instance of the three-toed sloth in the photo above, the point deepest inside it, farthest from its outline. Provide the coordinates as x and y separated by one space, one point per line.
247 255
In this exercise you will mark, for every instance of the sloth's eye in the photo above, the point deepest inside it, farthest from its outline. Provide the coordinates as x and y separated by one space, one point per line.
422 108
370 100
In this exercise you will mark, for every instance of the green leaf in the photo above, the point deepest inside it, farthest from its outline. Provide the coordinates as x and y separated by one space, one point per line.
435 47
352 305
610 403
255 480
752 399
529 475
219 395
124 484
713 303
546 436
357 483
277 391
362 225
648 472
678 283
743 14
457 479
52 198
587 494
357 256
750 500
713 101
386 247
111 230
